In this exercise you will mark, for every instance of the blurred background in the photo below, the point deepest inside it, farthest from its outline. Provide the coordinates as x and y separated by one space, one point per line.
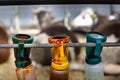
71 20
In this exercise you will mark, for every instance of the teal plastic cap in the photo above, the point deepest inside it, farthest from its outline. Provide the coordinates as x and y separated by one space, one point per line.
21 53
93 53
22 38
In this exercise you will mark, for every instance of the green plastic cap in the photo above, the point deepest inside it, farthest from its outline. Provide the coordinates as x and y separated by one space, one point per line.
93 53
21 53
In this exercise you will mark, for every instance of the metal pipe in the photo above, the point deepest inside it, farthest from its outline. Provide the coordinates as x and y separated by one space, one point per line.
46 45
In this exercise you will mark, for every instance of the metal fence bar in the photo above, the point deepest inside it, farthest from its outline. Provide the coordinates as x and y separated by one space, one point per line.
47 45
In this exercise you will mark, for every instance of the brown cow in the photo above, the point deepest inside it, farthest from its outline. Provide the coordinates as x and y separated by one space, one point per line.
4 53
109 27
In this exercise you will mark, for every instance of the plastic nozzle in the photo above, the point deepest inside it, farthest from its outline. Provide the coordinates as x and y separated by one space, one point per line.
93 53
21 53
59 53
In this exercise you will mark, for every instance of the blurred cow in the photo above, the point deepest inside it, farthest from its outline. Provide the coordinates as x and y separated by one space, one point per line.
43 17
109 28
4 53
89 20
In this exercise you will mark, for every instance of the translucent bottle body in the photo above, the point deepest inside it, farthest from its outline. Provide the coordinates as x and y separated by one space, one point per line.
27 73
94 72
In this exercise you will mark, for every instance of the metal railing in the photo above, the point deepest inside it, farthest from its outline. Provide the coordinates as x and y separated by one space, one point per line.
47 45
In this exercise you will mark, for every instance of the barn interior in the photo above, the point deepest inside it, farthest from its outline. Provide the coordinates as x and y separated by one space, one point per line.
44 21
